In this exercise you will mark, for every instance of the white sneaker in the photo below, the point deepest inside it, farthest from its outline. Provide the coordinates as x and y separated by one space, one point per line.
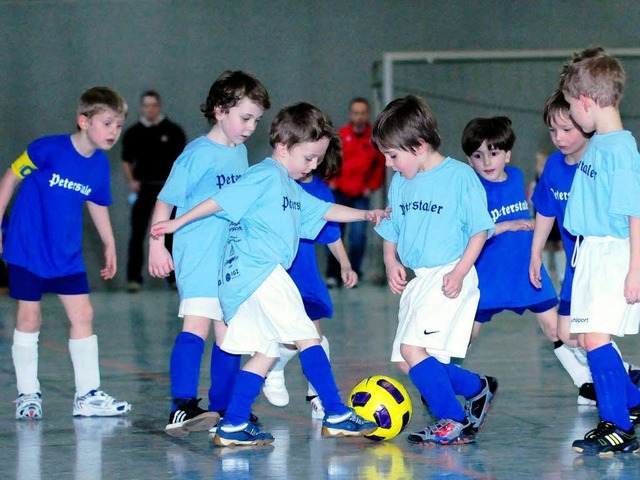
275 389
317 410
29 406
97 403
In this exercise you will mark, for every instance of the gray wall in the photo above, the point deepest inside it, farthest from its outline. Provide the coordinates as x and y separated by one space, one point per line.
320 52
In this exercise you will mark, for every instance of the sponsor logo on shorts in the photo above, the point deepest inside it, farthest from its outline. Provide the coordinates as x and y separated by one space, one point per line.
580 320
426 332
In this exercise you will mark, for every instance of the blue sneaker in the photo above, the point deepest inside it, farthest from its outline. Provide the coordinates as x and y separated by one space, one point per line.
349 424
477 406
246 434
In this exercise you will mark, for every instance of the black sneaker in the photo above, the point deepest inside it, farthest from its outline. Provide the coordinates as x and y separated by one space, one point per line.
587 395
189 417
606 439
634 415
477 406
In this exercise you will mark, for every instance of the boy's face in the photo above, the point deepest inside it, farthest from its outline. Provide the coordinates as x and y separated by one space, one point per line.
302 158
238 124
103 129
407 163
580 110
490 163
568 138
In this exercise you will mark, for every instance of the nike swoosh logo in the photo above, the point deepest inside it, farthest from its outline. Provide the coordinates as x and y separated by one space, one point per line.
429 333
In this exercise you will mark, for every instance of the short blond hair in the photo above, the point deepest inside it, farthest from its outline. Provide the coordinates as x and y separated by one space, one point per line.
595 74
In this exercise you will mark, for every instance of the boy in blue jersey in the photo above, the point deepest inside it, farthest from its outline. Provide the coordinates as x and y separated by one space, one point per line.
438 227
550 200
234 106
305 274
604 208
269 213
43 249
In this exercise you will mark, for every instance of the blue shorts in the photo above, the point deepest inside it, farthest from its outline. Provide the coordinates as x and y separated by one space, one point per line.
25 285
565 308
484 316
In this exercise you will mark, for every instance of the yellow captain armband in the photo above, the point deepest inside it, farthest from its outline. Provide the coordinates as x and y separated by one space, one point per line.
23 166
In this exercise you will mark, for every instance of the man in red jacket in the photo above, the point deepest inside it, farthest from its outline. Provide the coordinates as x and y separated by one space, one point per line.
362 173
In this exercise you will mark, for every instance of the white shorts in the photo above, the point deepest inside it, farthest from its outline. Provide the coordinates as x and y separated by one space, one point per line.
598 304
427 318
273 314
208 307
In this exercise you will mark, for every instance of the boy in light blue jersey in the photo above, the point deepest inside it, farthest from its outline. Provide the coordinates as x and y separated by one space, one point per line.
58 175
234 106
269 213
438 225
604 208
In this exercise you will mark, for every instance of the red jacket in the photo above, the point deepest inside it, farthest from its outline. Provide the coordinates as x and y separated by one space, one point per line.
362 165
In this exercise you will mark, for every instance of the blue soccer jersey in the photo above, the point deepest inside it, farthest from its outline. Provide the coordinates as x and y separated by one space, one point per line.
304 270
270 213
199 172
45 227
435 214
550 200
606 187
503 264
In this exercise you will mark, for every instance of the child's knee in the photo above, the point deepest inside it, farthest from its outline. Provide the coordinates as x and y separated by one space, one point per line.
29 317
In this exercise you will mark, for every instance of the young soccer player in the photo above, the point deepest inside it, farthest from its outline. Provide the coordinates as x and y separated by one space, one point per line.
604 208
550 200
269 213
234 106
43 249
305 274
438 225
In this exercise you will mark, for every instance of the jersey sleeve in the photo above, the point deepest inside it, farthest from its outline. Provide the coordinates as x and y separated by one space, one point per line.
237 199
388 229
475 217
625 193
23 166
101 194
541 198
174 192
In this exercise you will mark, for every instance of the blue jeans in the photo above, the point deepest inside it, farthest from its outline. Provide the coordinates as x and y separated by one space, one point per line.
357 235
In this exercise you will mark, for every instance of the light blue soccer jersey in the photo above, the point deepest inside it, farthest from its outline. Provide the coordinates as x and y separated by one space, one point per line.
606 187
270 213
45 227
435 214
550 200
203 168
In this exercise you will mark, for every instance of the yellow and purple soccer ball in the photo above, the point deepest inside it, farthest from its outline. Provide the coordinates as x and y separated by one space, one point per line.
383 400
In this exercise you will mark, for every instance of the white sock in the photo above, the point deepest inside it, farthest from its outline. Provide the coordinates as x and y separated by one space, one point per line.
581 355
286 354
25 361
324 343
579 373
560 259
86 366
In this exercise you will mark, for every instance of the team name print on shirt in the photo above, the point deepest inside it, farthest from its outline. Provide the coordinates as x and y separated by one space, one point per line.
496 213
588 170
286 203
421 206
223 180
564 196
57 181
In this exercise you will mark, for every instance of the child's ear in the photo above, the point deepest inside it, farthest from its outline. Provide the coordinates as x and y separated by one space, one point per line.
281 149
83 122
507 156
586 102
421 148
219 112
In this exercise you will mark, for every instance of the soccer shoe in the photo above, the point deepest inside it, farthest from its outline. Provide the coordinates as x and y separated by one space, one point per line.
349 424
317 410
29 406
634 415
477 406
606 439
242 435
587 395
97 403
252 419
445 432
275 389
189 417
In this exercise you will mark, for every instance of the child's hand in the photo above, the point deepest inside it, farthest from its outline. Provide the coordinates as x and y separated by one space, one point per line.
518 225
396 277
377 215
535 266
110 265
452 284
160 261
632 286
161 228
349 276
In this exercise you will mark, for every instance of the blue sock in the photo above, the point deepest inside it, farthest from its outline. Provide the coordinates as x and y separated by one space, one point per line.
317 369
245 391
185 366
609 381
432 381
464 382
224 370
